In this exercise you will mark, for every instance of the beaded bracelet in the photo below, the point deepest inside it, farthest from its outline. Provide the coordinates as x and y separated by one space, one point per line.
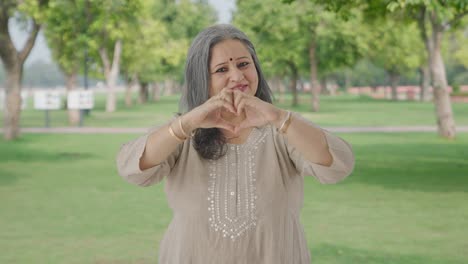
284 126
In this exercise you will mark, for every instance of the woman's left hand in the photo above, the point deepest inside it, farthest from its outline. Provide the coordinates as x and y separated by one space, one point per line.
257 112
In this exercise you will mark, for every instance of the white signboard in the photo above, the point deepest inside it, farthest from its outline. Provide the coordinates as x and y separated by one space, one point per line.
80 99
47 100
24 100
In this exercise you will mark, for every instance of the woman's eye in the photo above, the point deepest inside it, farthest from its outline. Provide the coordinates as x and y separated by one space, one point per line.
223 69
243 64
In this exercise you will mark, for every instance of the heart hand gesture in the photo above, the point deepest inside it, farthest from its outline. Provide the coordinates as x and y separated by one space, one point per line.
253 112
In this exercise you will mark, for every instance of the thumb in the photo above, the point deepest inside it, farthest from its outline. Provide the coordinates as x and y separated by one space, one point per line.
226 125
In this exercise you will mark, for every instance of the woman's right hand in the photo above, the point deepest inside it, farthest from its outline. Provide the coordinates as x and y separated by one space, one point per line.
209 115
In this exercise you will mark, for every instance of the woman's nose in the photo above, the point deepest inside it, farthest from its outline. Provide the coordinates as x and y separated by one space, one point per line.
236 74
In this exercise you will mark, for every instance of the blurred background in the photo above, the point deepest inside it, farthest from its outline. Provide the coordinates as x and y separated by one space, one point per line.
81 77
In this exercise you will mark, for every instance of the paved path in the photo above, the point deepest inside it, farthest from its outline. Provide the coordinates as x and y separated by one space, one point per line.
124 130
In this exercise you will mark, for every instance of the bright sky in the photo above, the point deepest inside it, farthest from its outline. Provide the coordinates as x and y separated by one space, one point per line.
42 52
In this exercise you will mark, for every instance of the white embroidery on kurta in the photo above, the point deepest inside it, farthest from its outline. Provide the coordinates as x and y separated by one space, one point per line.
231 188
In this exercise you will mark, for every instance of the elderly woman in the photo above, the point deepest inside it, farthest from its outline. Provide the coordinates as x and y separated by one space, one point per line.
233 163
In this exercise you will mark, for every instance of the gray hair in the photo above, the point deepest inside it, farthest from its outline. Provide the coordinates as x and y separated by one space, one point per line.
197 75
210 143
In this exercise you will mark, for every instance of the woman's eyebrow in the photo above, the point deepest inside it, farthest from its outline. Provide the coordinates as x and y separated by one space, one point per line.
243 57
220 64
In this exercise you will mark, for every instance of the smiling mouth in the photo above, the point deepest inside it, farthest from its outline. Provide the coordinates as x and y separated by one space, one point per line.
241 88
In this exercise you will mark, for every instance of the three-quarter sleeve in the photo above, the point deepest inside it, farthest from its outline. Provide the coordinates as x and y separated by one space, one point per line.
128 163
342 165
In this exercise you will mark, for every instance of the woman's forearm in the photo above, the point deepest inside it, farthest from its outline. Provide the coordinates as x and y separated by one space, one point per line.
159 145
308 139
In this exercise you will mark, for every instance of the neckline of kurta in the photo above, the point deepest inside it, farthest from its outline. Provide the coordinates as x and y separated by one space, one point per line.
232 191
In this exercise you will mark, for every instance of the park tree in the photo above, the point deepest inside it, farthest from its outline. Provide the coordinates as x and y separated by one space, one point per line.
142 56
395 47
435 18
303 37
184 20
109 24
275 31
157 48
65 30
31 13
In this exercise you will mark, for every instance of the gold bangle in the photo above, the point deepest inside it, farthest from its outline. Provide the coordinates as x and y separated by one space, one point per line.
174 135
284 127
181 128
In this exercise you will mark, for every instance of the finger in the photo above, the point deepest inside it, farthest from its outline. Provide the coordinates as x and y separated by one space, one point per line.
238 96
229 96
217 103
240 106
225 125
227 106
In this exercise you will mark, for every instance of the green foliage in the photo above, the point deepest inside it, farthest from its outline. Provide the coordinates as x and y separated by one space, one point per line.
396 46
41 74
156 48
275 32
459 42
283 33
65 32
35 9
365 73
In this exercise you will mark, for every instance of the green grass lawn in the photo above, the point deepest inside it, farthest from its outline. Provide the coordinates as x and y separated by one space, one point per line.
61 201
344 110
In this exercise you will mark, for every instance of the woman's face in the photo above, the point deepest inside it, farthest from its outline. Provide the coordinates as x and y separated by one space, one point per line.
232 67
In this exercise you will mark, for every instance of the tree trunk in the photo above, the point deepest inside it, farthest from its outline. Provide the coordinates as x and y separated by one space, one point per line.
168 87
128 95
314 82
443 105
70 83
282 90
323 86
347 82
11 116
13 61
424 83
394 80
273 85
156 92
293 83
111 72
143 93
129 91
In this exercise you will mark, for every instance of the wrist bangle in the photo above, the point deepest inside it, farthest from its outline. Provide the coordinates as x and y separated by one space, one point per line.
174 135
181 128
284 126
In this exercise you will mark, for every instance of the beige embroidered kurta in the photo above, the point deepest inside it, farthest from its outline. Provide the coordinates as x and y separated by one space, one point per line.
242 208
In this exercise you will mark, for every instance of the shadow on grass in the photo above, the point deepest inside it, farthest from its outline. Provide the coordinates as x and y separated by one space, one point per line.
34 155
413 166
327 253
20 154
7 177
24 157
